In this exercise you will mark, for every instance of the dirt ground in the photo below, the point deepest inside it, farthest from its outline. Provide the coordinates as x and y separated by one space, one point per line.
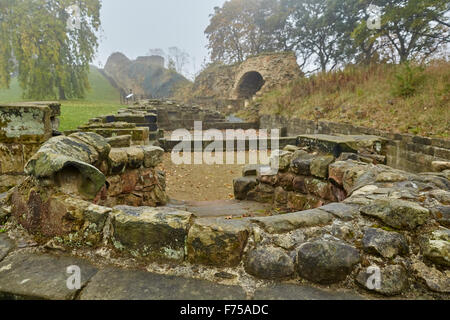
200 182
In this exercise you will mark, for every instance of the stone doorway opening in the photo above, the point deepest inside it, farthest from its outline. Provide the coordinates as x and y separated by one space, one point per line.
249 85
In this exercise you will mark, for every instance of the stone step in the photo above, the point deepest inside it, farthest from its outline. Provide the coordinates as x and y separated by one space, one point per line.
116 284
42 277
237 144
283 291
222 208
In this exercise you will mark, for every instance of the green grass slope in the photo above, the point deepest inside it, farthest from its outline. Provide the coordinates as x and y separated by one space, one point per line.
101 99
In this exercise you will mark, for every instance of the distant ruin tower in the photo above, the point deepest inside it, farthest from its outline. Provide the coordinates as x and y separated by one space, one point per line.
152 60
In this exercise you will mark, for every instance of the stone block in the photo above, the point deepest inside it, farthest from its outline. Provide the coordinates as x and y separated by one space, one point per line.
217 242
292 221
156 233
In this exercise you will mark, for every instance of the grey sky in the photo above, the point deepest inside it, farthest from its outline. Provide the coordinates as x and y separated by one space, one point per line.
134 26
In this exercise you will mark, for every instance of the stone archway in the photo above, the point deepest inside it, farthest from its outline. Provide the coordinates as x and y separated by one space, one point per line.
249 84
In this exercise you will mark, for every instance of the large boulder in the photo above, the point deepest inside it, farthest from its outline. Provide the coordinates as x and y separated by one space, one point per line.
436 247
70 161
217 242
384 243
393 280
269 263
156 233
326 262
399 214
243 185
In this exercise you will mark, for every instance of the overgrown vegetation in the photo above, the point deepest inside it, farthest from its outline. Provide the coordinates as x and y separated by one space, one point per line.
396 98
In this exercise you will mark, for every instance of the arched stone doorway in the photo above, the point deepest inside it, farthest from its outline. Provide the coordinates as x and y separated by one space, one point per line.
249 85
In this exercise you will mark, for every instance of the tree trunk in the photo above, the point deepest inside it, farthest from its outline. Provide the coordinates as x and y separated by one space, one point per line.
62 94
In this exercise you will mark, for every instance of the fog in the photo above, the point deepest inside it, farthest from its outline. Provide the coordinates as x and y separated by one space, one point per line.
135 26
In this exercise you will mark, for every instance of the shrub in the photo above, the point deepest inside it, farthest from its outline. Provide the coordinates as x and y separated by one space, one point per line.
408 80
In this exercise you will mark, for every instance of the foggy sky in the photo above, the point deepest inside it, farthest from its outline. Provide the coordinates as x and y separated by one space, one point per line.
135 26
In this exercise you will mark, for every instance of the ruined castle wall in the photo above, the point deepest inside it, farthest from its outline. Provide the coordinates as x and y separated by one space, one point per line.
276 70
404 151
219 85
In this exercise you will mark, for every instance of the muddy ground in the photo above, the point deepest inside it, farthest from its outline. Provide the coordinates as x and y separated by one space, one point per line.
201 182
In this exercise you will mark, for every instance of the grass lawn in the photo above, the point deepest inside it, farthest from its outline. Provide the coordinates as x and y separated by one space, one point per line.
101 99
75 113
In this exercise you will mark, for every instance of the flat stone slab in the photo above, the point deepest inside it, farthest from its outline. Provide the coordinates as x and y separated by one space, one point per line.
284 223
339 144
5 246
40 276
116 284
225 208
299 292
342 211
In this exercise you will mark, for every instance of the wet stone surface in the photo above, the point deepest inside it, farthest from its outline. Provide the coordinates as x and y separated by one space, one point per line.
115 284
34 276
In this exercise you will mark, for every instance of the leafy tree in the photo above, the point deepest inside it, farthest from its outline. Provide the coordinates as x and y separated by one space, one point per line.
6 66
52 59
410 29
320 30
241 28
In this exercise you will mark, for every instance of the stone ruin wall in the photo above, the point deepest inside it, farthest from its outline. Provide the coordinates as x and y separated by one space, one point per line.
388 218
146 122
219 85
346 210
71 176
24 128
354 215
403 151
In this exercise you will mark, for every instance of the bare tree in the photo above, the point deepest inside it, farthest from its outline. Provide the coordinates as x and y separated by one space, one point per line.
179 57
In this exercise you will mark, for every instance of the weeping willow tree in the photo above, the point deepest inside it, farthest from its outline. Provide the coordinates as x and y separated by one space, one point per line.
49 45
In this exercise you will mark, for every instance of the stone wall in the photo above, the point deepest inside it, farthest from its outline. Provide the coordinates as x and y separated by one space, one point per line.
138 135
403 151
83 168
220 85
145 76
24 128
305 180
171 116
390 220
276 70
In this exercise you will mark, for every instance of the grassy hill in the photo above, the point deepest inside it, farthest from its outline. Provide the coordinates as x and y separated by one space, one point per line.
393 98
101 99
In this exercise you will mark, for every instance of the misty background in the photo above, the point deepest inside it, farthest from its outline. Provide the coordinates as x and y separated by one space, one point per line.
135 26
